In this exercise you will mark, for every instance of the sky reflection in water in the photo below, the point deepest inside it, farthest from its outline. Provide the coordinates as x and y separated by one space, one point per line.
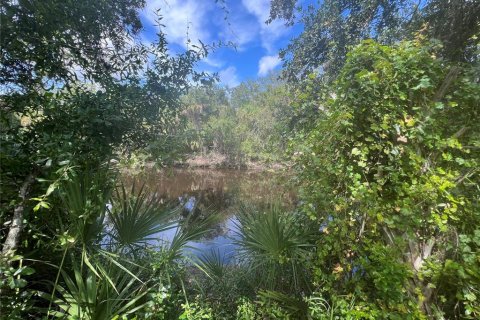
202 192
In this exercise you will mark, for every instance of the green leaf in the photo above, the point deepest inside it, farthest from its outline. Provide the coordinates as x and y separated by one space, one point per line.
50 189
356 151
28 271
17 283
424 83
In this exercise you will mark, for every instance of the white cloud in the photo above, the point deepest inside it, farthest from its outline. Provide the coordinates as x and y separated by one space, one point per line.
267 64
241 30
182 19
216 63
202 20
229 77
260 8
271 32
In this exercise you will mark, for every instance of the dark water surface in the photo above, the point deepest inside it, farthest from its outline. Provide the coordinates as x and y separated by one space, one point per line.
203 192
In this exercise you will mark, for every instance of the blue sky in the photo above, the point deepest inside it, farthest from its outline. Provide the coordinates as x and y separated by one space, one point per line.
257 43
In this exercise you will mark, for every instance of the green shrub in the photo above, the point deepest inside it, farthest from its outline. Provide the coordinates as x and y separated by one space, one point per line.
15 299
389 169
196 311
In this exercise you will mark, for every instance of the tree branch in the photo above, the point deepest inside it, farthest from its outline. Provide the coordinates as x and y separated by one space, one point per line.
16 226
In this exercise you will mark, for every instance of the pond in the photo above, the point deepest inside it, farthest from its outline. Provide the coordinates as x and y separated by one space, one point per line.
217 191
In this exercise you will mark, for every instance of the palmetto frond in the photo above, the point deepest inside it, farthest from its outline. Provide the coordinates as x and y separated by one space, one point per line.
190 229
274 243
84 197
212 264
87 296
137 216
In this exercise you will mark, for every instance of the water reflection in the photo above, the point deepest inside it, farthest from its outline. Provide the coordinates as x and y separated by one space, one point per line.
201 192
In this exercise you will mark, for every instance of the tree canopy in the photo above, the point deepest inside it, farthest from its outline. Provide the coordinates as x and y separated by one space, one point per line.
77 87
332 27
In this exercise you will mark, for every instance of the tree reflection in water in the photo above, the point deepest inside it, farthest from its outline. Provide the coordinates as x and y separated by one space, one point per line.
202 192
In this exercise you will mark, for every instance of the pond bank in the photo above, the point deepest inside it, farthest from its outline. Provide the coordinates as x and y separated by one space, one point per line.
220 161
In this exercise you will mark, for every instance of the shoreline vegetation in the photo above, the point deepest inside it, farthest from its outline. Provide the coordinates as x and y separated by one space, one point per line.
207 161
218 161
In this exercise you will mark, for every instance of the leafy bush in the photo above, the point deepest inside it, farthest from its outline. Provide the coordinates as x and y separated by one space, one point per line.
389 172
196 311
15 299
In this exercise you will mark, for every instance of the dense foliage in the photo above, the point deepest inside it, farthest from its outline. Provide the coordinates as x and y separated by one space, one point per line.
380 118
246 123
389 224
390 172
77 89
332 27
51 119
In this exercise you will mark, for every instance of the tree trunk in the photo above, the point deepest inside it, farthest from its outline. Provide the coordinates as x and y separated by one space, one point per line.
13 236
419 252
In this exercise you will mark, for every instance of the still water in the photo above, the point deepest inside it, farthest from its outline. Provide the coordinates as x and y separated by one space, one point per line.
202 192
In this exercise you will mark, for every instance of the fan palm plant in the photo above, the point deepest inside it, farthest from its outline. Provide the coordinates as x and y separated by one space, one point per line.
87 296
107 282
84 197
190 229
137 217
274 243
212 264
